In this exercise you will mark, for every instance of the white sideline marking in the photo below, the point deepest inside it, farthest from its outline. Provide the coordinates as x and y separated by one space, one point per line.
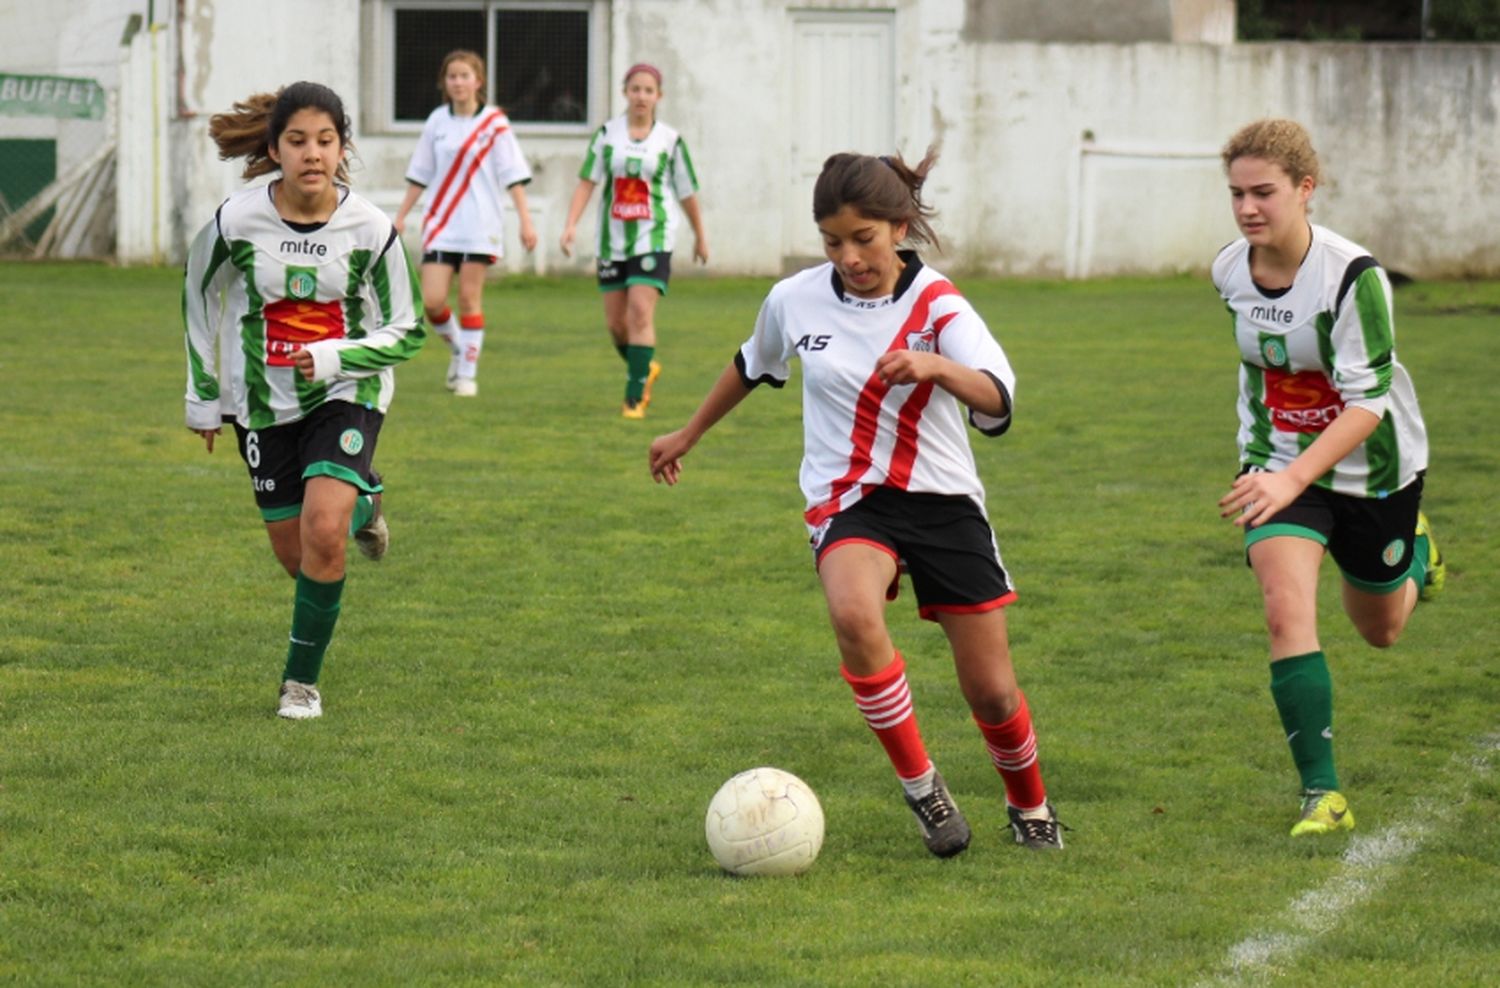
1367 864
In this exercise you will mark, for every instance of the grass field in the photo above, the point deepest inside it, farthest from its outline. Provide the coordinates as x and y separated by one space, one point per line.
531 700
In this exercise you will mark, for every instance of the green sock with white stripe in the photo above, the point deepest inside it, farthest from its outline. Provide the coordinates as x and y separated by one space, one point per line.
1303 691
314 613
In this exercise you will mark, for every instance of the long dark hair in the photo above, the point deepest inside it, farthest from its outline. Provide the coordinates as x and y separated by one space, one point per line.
254 125
881 188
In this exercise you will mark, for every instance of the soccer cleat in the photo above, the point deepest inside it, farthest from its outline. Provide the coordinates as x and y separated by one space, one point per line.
299 701
633 410
650 380
1437 570
465 387
374 537
1042 833
1323 812
944 829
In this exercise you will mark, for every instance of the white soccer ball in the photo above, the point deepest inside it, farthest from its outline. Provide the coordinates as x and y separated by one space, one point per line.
764 822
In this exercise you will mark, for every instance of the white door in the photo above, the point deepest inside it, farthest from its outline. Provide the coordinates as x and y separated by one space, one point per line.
843 98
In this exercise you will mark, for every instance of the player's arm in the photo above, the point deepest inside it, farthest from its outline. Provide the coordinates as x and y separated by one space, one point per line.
202 313
576 207
413 193
667 451
391 290
523 211
694 215
1260 494
975 388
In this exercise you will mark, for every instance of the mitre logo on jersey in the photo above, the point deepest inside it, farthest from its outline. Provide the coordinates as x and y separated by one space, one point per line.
924 341
1302 402
291 325
632 199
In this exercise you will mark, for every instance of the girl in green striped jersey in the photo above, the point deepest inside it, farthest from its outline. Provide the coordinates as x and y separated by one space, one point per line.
298 301
644 168
1332 445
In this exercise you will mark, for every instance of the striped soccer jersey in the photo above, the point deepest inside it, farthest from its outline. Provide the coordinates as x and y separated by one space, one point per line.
466 164
642 182
1308 352
858 433
258 289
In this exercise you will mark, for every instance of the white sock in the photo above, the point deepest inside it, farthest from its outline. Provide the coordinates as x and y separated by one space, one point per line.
470 343
922 784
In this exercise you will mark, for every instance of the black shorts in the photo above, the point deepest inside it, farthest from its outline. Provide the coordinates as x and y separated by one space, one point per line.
336 439
643 269
454 259
1370 538
942 541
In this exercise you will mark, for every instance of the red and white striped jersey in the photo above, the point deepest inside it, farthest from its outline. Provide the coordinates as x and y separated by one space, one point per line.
467 165
858 433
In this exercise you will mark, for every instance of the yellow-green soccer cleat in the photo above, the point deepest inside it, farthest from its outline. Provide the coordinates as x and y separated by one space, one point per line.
1437 570
1323 812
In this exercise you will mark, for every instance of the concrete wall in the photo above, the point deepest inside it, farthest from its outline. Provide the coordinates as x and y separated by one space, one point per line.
1058 158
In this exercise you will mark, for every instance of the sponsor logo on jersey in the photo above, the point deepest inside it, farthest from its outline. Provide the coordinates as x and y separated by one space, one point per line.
924 341
301 283
632 199
1272 314
1302 402
352 441
608 270
291 325
304 247
1274 352
866 303
1393 553
810 342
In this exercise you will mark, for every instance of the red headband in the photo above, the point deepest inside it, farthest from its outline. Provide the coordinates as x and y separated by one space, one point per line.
654 72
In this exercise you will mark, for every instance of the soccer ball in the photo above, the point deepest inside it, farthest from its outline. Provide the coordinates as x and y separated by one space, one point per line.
764 822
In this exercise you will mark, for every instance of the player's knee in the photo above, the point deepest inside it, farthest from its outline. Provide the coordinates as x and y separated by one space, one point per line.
856 623
1382 636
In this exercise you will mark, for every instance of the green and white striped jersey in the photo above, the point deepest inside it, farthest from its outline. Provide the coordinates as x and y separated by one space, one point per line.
1310 351
259 288
642 183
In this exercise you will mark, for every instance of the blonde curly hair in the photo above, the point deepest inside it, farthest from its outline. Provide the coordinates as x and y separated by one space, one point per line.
1281 142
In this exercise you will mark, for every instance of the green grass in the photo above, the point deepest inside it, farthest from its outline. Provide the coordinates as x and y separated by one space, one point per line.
530 702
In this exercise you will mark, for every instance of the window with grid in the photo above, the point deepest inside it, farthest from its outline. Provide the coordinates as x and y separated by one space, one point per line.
537 57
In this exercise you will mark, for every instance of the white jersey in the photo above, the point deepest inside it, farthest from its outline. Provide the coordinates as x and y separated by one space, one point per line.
858 433
467 165
1308 352
258 289
642 182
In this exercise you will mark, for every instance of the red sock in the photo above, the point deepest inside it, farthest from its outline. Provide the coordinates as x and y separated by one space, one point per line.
474 320
885 701
1012 747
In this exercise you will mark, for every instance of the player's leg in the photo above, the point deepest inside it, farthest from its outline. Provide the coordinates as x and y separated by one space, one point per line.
471 276
856 578
645 283
436 277
1286 567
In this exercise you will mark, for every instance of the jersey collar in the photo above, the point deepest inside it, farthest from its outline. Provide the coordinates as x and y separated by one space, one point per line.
908 275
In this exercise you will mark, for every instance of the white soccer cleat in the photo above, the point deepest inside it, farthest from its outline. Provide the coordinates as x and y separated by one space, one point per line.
299 701
465 387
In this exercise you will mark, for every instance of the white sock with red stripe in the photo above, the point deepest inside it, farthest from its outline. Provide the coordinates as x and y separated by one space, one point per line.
470 343
885 701
445 326
1012 748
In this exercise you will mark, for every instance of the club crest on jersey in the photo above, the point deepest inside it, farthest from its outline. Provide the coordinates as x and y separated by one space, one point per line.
820 533
301 283
648 263
924 341
1393 553
1274 351
352 441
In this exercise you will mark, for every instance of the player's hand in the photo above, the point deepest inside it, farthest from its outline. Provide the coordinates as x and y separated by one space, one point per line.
906 367
303 359
700 250
400 224
1257 496
528 237
666 457
567 242
208 437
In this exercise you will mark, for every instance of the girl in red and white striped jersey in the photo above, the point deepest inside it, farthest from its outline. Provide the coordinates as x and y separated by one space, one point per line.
891 352
465 159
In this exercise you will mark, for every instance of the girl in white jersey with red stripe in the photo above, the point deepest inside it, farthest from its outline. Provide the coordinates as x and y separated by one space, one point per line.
1332 444
891 353
465 159
298 301
644 168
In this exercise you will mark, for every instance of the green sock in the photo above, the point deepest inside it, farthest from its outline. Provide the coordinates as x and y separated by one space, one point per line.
364 510
639 360
624 352
314 614
1303 691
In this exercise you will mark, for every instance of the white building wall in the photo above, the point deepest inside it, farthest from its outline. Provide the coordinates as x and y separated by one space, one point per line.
1058 159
